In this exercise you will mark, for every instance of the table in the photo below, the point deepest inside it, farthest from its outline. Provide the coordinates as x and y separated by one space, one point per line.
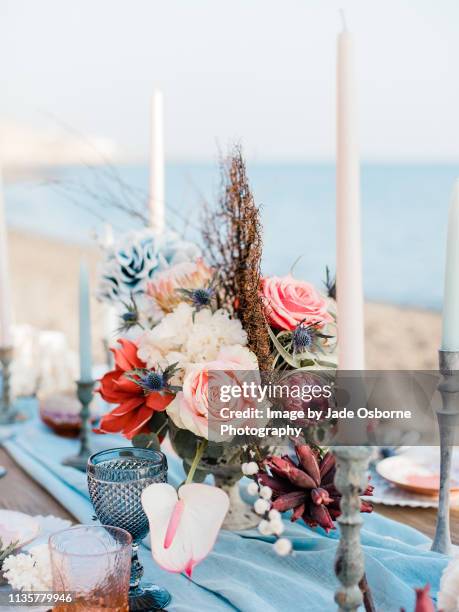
20 492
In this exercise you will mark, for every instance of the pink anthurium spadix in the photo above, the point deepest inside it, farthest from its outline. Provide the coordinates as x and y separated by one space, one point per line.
184 524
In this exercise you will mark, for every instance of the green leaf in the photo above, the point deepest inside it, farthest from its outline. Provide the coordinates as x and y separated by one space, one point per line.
330 362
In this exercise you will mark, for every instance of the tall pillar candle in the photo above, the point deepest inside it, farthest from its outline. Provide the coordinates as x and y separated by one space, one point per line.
157 171
348 232
450 336
6 333
85 326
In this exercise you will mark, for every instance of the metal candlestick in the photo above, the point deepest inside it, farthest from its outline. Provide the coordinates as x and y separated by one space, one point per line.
350 480
448 418
85 395
7 413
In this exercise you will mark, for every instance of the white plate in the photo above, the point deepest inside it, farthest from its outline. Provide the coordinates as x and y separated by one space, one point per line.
387 494
17 527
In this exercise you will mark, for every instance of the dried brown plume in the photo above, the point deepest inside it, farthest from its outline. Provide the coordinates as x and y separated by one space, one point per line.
232 235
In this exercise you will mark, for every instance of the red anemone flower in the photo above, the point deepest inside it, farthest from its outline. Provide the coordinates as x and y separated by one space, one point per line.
136 404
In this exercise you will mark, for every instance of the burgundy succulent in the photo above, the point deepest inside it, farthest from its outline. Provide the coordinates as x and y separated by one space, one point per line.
307 488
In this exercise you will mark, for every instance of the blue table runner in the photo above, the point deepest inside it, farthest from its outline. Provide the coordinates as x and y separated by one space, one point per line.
243 572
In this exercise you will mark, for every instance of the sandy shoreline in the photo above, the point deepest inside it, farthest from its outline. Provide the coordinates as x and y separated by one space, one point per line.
45 286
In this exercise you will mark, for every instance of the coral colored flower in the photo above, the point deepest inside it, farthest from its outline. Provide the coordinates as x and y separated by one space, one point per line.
136 404
184 524
289 302
164 288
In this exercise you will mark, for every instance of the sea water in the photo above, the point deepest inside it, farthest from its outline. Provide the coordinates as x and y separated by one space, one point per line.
404 216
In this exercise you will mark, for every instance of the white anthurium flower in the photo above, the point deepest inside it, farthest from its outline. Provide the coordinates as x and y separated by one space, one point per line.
448 597
184 524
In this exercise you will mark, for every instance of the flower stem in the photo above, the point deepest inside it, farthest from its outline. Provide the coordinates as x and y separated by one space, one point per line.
201 447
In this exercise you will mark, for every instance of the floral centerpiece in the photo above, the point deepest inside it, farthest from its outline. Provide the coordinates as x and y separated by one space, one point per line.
189 313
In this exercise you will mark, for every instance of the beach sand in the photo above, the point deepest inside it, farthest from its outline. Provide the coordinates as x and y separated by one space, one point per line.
45 285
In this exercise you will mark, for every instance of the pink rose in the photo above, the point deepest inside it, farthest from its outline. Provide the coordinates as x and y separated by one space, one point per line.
192 406
288 302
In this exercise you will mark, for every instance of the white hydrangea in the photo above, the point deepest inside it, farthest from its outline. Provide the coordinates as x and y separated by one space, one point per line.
209 332
169 335
448 597
189 337
29 571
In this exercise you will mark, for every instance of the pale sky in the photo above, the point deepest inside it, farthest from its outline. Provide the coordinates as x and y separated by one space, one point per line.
258 71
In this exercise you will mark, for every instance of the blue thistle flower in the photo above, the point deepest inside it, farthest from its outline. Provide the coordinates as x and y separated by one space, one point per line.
129 317
199 298
202 297
302 338
152 381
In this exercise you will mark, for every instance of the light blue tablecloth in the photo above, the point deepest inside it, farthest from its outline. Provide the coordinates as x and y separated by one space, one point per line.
243 572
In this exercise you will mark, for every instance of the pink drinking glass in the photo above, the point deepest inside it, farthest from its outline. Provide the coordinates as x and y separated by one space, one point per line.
93 565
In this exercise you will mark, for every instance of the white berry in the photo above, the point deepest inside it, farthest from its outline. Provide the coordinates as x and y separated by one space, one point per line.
266 492
283 547
251 468
274 514
265 528
252 488
261 506
277 526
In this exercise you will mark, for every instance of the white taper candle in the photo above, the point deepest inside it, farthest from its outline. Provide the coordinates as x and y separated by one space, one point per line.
348 232
450 336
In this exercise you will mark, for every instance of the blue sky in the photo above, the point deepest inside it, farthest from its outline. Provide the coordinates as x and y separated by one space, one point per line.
260 71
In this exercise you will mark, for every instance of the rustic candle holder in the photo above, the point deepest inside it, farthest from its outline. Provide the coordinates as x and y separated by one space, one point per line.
85 395
7 412
350 480
448 419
